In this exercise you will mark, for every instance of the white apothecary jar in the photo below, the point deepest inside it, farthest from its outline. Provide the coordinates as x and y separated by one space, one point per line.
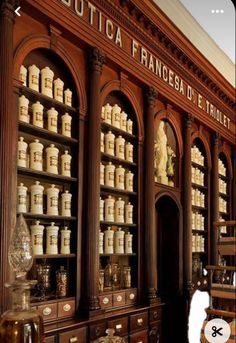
108 241
110 175
107 113
23 109
123 121
66 164
120 177
103 113
58 89
101 238
128 243
66 125
36 155
68 97
101 209
129 213
129 177
115 116
22 153
110 143
102 174
129 126
102 146
47 81
52 239
119 211
23 75
120 147
119 241
52 159
34 77
65 240
22 198
36 198
52 119
37 238
37 114
66 204
129 152
52 200
109 209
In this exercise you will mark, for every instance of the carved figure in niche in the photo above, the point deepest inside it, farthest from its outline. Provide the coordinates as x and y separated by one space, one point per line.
161 155
170 162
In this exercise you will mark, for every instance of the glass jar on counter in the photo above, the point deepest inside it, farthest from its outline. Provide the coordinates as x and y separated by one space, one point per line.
62 282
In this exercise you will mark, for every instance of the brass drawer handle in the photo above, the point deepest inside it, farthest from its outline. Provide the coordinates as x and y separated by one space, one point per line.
73 340
155 314
140 342
132 296
47 311
105 301
119 298
140 321
66 307
118 327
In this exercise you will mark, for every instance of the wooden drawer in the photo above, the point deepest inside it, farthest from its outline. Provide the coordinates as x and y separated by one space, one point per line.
48 311
66 308
131 296
105 300
119 325
74 336
97 330
155 332
139 337
119 299
155 314
138 321
51 339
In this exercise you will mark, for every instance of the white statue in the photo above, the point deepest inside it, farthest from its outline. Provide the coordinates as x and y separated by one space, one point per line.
161 155
170 163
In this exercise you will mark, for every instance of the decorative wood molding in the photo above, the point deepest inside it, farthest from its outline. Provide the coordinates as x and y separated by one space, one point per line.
97 59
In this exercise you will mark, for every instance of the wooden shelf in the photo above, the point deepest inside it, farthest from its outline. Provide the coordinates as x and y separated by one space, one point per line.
199 208
46 216
223 214
111 158
199 252
50 256
49 299
118 131
196 185
117 254
44 175
203 232
108 189
199 166
116 224
223 195
222 177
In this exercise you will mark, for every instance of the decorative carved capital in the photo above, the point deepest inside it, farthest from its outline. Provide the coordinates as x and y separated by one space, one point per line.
97 59
150 95
8 7
215 138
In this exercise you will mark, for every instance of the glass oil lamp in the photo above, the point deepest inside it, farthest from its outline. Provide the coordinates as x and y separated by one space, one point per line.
21 324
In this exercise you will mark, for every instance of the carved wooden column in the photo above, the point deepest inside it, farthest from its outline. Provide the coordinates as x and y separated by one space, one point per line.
7 143
97 59
234 184
149 198
214 196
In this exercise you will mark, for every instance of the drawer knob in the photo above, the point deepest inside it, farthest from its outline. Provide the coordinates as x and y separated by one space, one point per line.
140 342
140 321
47 311
155 314
118 327
73 340
119 298
132 296
66 307
105 301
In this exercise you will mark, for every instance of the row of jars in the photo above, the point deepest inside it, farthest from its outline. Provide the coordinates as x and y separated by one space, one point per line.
198 242
39 120
53 89
37 231
34 159
221 168
114 277
112 210
222 205
117 177
222 186
197 176
223 229
197 156
116 146
113 115
197 221
198 198
115 242
36 200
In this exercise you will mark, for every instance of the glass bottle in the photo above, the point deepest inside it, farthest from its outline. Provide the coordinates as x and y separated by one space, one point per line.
21 324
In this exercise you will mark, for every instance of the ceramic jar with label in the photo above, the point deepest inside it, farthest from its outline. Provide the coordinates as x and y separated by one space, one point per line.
66 204
101 209
193 196
66 164
36 198
68 97
128 243
119 211
198 221
129 126
101 238
23 75
58 89
52 119
119 241
109 209
129 177
22 198
52 239
193 174
107 113
47 81
110 143
103 113
23 109
65 240
66 125
37 114
120 147
110 175
115 116
52 200
36 155
102 146
52 159
123 121
129 152
129 213
193 221
22 153
197 176
102 173
120 177
202 200
34 77
108 241
37 238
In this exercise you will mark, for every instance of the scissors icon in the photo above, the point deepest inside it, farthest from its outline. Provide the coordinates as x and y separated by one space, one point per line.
216 331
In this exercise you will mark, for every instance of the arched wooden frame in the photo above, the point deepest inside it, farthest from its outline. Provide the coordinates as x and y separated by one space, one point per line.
202 138
116 85
40 41
229 166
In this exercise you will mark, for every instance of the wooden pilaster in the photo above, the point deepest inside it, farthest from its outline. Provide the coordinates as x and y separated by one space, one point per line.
214 196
